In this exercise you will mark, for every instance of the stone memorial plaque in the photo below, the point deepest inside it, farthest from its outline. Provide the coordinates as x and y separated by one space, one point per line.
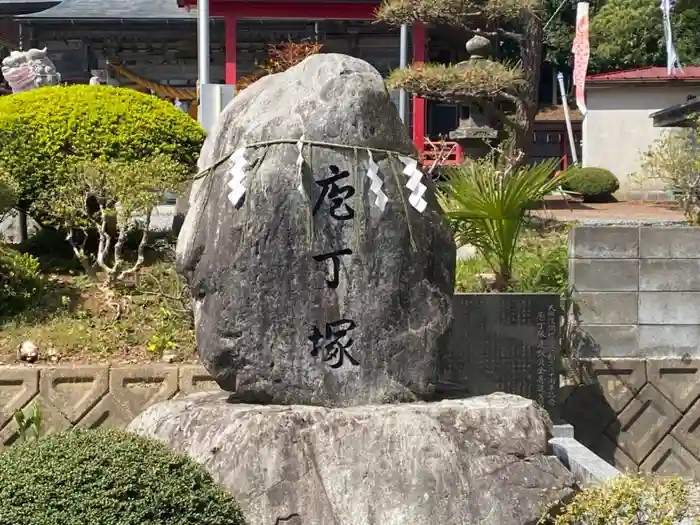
505 343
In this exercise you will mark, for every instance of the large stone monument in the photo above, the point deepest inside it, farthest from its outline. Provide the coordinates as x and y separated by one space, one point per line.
321 286
27 70
322 273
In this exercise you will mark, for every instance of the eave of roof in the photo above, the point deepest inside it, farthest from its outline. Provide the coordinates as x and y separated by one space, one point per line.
678 115
23 7
647 75
112 10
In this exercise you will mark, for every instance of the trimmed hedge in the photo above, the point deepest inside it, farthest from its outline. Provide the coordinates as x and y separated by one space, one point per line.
46 132
108 477
594 184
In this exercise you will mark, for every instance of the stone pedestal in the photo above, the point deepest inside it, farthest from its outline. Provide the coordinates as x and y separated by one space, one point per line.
480 460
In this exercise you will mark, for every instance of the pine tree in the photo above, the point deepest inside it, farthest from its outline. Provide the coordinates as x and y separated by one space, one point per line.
507 92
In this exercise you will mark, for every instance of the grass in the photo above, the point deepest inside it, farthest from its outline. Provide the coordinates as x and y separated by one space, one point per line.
540 264
77 320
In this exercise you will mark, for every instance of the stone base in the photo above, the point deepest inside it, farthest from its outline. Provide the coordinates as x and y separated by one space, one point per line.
480 460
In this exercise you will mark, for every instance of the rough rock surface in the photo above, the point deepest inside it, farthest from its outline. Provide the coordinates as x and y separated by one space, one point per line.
261 296
458 462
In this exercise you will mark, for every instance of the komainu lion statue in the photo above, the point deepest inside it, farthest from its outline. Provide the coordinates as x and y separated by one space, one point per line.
26 70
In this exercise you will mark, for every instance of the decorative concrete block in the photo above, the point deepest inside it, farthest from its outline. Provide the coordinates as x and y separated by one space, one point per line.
607 341
194 378
668 308
52 421
671 458
669 341
687 431
614 455
138 388
643 423
108 413
669 243
18 385
669 275
620 379
606 387
74 390
608 242
677 379
604 275
617 308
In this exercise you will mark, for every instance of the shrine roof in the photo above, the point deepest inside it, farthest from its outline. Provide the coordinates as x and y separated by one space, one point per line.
113 10
21 7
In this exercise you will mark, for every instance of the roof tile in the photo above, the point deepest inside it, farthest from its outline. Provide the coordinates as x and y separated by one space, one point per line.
647 74
115 9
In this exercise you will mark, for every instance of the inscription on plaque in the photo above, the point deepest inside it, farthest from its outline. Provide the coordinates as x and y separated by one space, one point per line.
508 342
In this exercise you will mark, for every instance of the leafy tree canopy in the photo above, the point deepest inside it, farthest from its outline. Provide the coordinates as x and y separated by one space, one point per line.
624 34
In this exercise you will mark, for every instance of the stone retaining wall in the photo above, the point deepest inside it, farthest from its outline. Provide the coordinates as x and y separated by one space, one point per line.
91 395
637 322
639 414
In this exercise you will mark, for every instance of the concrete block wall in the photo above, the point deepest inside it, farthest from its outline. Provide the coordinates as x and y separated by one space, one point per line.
635 398
636 291
91 395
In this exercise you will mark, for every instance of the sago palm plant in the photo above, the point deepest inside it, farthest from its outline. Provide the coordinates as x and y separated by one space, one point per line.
486 205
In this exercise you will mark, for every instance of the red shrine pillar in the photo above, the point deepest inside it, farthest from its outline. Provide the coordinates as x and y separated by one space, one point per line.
230 21
419 103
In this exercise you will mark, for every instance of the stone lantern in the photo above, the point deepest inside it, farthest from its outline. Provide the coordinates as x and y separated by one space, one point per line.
473 123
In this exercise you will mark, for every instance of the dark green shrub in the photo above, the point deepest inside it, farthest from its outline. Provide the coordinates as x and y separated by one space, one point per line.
594 184
108 477
9 190
47 242
47 132
20 280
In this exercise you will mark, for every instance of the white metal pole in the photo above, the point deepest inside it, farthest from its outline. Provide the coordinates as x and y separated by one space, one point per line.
565 104
403 62
203 44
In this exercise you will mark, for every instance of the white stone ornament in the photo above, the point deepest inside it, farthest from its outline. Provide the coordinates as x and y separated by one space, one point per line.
376 185
414 183
27 70
237 174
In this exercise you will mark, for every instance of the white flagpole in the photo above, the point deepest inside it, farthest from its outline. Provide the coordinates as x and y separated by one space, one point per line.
567 117
672 61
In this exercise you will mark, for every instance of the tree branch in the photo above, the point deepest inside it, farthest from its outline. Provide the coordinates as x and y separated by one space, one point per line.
79 252
140 257
105 242
498 33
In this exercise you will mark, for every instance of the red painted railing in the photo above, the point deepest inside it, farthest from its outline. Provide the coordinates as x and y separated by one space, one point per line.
442 153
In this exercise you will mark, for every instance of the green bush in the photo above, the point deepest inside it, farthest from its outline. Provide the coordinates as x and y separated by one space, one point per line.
594 184
46 133
8 193
108 477
540 264
629 500
20 280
